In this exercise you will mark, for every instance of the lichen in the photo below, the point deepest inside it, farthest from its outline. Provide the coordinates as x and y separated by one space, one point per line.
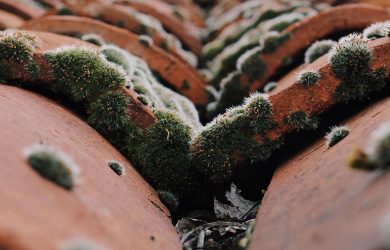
336 134
53 165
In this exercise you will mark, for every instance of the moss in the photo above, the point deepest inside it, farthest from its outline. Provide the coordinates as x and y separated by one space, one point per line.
16 47
94 39
163 153
271 41
121 24
169 200
259 110
377 153
53 165
144 30
270 86
116 167
229 64
252 64
4 72
178 12
350 57
164 45
185 85
109 115
118 56
266 15
144 99
212 49
145 40
83 74
350 61
308 77
34 69
232 93
301 120
377 30
359 160
318 49
283 21
336 135
232 137
64 11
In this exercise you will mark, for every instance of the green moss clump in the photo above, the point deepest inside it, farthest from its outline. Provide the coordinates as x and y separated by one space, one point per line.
185 85
121 24
318 49
116 167
230 63
272 40
259 110
212 49
34 69
350 57
118 56
283 21
336 135
350 61
377 30
164 45
163 154
308 77
83 74
145 40
270 86
144 30
231 94
144 99
233 137
377 153
251 64
179 13
64 11
4 72
53 165
359 160
16 47
169 200
301 120
109 115
93 38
